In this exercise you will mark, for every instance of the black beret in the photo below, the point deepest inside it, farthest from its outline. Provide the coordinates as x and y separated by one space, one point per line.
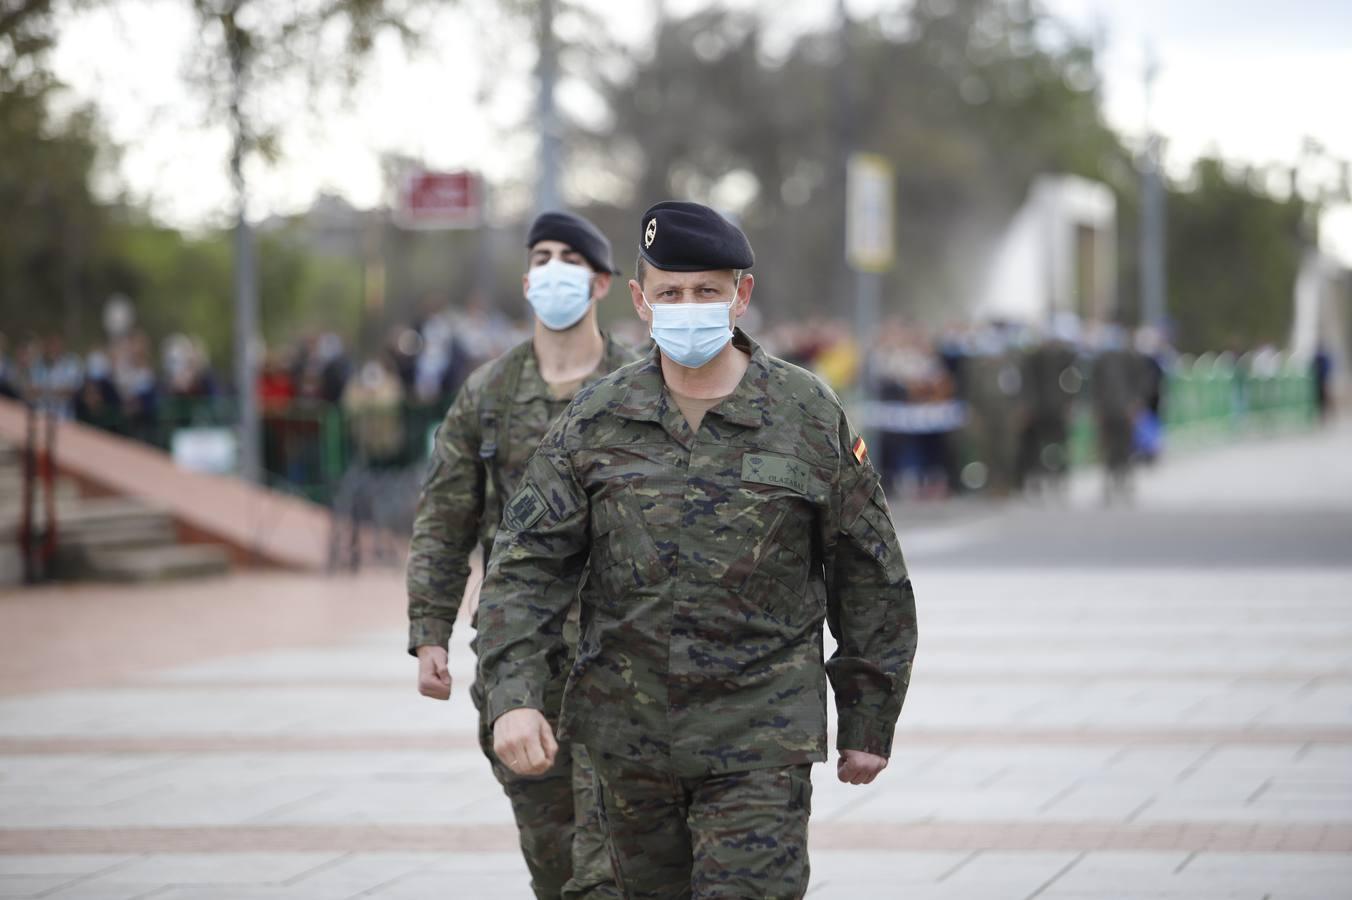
576 232
687 237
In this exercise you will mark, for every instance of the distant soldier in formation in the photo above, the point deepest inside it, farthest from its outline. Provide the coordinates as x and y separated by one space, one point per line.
1118 387
1051 381
994 387
482 448
720 508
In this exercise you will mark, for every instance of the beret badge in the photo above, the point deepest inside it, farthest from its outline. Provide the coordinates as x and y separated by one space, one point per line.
650 233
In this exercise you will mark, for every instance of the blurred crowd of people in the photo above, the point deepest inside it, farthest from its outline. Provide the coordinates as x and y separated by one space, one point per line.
116 385
986 407
991 406
124 386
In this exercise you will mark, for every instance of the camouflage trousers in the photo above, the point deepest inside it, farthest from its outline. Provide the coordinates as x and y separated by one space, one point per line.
725 835
558 819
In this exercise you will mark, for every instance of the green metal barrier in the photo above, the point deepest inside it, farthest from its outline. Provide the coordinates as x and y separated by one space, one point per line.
1212 399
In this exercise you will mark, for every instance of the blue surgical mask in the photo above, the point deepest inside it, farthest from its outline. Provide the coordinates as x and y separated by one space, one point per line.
691 333
560 293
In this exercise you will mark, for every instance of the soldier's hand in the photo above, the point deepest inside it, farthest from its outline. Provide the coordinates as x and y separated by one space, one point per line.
858 767
434 679
524 742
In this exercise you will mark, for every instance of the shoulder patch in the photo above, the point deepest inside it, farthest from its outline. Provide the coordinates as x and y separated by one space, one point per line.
780 471
859 450
525 509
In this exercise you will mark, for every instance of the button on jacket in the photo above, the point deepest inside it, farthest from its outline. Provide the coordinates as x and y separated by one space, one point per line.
711 560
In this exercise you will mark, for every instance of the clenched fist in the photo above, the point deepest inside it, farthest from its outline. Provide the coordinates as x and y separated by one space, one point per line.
524 742
858 767
434 679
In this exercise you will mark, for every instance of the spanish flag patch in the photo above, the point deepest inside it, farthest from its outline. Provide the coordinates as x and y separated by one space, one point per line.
859 450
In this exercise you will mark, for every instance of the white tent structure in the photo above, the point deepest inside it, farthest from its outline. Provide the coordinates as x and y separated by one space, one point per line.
1058 255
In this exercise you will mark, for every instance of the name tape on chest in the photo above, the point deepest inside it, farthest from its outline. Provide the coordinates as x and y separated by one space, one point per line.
779 471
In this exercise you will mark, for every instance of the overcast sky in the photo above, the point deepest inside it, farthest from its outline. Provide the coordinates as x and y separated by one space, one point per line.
1248 78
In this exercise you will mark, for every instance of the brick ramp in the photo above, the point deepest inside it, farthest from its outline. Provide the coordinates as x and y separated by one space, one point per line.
259 526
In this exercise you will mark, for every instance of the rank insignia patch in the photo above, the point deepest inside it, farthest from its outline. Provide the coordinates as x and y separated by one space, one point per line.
525 509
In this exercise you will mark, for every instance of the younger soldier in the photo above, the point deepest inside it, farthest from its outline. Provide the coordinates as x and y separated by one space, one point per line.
723 509
482 447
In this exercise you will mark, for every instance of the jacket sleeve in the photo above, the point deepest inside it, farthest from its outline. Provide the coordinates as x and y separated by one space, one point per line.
870 606
446 527
532 579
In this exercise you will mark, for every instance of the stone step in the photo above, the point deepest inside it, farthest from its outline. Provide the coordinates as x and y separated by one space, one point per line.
81 515
158 563
141 533
11 494
11 564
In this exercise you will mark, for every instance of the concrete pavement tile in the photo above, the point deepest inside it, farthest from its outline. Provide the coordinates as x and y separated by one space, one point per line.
1137 872
83 890
302 666
902 806
81 771
1064 760
31 885
1274 872
1252 758
1298 789
195 711
358 872
59 863
236 892
216 868
1114 802
1018 874
921 802
195 806
863 868
1022 882
471 863
1326 757
438 801
481 886
1116 893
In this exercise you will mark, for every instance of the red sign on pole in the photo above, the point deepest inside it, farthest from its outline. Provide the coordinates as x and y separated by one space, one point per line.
435 200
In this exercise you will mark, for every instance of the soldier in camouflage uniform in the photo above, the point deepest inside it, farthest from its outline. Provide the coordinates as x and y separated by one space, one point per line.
1051 382
720 508
993 389
482 447
1118 387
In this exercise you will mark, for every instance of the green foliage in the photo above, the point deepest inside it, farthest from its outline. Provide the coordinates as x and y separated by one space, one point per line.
51 222
1233 253
180 283
175 283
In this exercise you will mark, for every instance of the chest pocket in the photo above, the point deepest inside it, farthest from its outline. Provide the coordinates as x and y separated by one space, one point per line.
624 557
773 565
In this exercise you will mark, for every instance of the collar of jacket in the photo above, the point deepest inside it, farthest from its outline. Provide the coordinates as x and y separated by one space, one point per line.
534 387
646 397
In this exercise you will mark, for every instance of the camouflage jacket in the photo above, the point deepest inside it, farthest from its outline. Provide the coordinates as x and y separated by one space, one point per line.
713 559
459 501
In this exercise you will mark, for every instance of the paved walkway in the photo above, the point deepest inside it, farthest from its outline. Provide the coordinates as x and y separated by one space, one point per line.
1154 702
